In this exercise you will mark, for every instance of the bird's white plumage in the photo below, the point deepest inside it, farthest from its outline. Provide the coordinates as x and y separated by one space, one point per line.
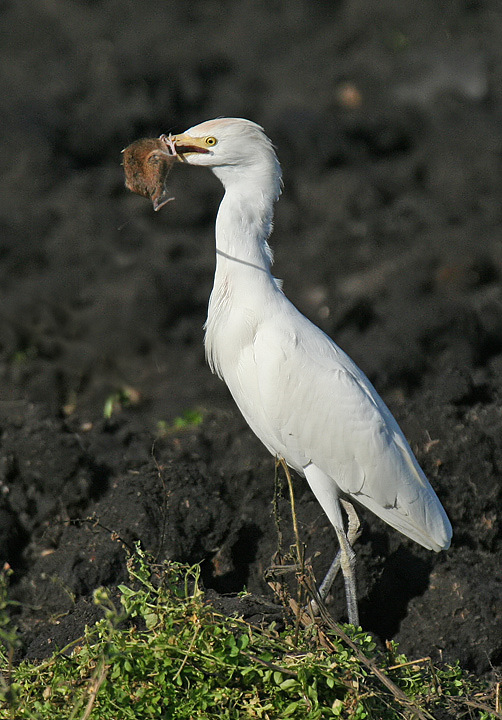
300 393
308 402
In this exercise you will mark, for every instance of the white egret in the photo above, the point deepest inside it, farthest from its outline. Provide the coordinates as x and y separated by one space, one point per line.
299 392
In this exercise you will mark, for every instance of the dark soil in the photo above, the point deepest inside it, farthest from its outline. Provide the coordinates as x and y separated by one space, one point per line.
387 118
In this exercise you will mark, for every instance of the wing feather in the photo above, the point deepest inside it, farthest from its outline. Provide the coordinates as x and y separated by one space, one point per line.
308 402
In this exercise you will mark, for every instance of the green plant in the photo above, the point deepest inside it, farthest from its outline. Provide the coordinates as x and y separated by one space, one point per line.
160 651
188 419
124 397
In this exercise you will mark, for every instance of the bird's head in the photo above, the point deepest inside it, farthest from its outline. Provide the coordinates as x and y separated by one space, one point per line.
233 148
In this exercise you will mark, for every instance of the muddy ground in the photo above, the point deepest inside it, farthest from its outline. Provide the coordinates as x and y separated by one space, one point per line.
387 118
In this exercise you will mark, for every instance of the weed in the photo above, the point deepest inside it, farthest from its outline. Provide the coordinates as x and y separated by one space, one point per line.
160 651
125 397
188 419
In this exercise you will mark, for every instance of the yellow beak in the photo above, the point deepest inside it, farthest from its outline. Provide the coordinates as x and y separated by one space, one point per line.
185 144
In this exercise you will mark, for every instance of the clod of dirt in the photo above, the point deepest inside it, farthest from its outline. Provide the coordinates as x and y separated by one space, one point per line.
147 163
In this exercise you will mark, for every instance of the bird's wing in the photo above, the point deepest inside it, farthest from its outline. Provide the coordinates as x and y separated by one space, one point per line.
312 404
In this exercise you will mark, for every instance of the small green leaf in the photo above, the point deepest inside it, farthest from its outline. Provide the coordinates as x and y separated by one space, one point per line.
291 708
288 684
243 642
151 619
190 418
277 677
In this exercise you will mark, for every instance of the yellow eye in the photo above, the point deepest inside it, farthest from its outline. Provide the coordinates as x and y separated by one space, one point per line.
210 141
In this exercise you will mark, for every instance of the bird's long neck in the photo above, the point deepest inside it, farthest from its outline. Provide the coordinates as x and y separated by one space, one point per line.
243 226
243 281
244 220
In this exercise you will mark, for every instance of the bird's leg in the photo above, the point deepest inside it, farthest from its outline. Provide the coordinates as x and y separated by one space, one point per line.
354 527
327 492
347 563
353 532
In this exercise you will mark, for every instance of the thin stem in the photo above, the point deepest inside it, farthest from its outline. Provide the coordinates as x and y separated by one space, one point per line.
275 505
299 546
